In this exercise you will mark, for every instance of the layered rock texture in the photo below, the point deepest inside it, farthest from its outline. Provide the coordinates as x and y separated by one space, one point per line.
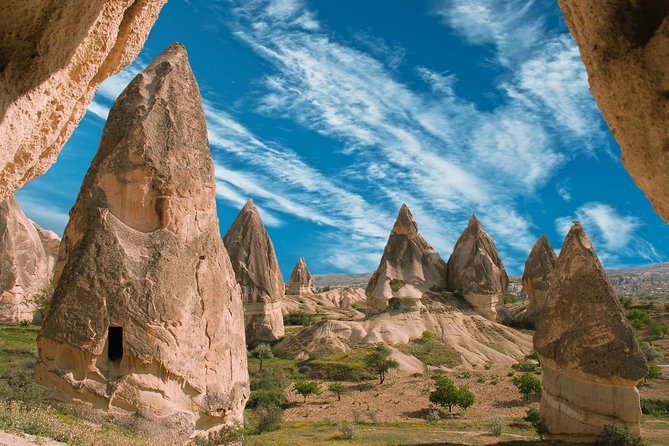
409 267
53 56
257 271
300 280
475 271
536 278
590 357
625 48
147 318
25 267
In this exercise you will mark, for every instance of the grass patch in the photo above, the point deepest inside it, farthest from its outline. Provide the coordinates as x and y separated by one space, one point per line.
655 408
431 351
343 366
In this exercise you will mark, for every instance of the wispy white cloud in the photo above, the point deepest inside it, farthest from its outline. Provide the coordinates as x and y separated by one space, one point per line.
112 87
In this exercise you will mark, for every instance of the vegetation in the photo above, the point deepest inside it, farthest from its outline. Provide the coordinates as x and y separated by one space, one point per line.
447 395
495 426
431 351
432 416
306 388
655 408
42 300
348 430
261 352
338 389
379 362
527 385
510 299
534 417
527 367
267 418
299 318
396 284
618 435
344 366
638 318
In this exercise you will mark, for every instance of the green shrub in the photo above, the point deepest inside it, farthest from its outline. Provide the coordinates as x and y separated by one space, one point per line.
650 352
656 408
372 414
267 417
268 388
447 395
627 302
537 422
495 379
654 371
265 397
344 366
531 356
299 318
396 284
379 362
618 435
338 389
431 351
639 318
481 379
510 299
42 300
348 430
526 367
306 388
463 374
495 426
527 385
432 416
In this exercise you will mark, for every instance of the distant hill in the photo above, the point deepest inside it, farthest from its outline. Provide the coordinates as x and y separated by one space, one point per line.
650 280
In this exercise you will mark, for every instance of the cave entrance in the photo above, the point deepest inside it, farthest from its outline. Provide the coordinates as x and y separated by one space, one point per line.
115 343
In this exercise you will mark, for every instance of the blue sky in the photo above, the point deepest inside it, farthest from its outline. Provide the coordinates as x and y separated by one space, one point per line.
331 114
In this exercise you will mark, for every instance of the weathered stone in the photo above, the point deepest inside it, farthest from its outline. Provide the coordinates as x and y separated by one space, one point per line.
536 282
590 357
53 56
257 271
51 244
475 271
24 266
300 280
409 267
625 48
147 317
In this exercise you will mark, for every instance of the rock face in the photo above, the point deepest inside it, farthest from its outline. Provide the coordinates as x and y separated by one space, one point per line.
625 48
590 357
53 56
51 244
475 271
257 271
147 317
24 266
300 280
538 267
409 267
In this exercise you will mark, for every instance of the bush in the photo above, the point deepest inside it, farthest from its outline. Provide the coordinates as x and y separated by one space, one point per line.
379 362
348 430
495 379
495 425
656 408
481 379
306 388
654 371
372 414
432 351
650 352
510 299
299 318
262 351
531 356
338 389
638 318
527 385
228 435
526 367
396 284
534 418
432 416
627 302
618 435
42 300
447 395
268 417
463 374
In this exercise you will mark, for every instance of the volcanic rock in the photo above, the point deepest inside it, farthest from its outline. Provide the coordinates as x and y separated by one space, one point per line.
300 280
590 357
536 282
409 267
53 56
475 271
24 266
257 271
147 317
625 48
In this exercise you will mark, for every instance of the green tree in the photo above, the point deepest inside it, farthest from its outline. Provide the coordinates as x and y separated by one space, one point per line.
527 384
447 395
465 397
379 362
262 351
306 388
338 389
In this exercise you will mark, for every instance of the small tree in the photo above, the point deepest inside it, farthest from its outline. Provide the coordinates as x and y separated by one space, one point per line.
338 389
306 388
262 351
379 362
527 385
446 394
465 397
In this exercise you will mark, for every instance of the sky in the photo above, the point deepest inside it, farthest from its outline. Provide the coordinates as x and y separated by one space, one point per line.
331 114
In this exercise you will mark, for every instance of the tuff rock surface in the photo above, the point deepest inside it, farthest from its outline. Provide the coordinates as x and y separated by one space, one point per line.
625 48
475 271
24 266
409 267
300 280
536 278
257 271
146 317
590 357
53 56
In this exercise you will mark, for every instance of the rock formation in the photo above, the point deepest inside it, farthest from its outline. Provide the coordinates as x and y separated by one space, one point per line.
475 271
257 271
146 317
24 266
53 56
590 357
51 245
409 267
538 266
625 48
300 280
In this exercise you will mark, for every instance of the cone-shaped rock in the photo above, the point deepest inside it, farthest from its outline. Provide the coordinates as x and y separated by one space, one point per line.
538 267
590 357
147 316
257 271
24 266
475 270
51 244
300 280
409 267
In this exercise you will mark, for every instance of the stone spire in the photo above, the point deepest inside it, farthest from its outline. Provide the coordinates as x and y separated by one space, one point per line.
538 267
300 280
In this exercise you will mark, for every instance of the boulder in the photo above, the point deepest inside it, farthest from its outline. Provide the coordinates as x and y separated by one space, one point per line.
476 272
257 271
53 56
300 280
536 282
146 317
24 266
590 357
409 267
625 48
